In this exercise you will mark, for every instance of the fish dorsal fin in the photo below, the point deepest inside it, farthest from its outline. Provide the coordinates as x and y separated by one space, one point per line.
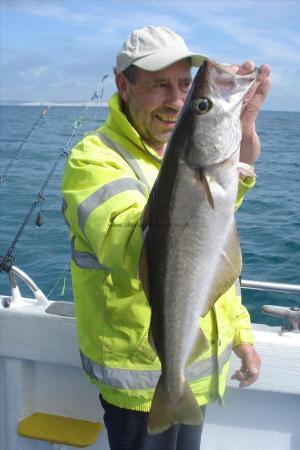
228 269
202 178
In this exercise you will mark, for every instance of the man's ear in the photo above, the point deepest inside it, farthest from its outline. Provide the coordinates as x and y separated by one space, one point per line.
122 85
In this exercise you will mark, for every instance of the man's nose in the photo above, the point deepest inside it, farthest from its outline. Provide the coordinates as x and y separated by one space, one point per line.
175 97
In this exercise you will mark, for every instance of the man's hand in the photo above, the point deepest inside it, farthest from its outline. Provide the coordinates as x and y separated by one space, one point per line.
249 371
250 145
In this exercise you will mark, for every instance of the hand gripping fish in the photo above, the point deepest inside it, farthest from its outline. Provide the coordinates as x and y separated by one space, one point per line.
192 254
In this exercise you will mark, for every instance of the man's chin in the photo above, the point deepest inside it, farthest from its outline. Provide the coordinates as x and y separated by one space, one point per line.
163 138
158 139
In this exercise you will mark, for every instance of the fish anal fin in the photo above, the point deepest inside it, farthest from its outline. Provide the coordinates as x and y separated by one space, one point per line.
228 269
202 177
165 411
200 346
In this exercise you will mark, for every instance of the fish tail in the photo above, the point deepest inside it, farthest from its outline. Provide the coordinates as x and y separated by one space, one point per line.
164 412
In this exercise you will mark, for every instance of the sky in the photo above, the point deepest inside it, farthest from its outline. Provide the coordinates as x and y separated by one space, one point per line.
59 50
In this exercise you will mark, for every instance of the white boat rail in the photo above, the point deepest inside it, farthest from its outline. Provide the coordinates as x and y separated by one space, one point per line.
291 314
16 296
268 286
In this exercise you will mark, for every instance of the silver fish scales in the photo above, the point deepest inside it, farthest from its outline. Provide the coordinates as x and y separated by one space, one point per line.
191 254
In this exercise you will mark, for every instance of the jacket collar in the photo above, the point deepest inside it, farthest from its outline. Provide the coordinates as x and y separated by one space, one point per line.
118 119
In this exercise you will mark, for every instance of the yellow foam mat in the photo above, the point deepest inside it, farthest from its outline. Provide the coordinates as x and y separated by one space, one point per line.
59 429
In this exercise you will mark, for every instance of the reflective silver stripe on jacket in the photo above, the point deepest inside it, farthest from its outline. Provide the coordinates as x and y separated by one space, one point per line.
147 379
85 260
129 159
104 193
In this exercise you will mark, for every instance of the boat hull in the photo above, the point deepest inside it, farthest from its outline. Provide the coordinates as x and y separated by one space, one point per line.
40 370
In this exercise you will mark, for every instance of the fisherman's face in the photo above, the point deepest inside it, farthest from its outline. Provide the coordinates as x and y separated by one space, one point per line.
154 101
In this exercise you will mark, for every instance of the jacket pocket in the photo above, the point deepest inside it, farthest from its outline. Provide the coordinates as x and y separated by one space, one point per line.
126 323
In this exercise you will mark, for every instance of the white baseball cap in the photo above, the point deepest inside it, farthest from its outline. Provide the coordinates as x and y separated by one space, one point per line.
154 48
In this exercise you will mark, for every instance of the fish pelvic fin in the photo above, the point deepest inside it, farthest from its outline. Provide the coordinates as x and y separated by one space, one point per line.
164 412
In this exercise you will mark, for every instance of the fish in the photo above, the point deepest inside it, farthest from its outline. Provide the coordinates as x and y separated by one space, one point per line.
191 254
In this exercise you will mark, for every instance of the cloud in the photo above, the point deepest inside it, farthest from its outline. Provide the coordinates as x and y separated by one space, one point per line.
28 75
258 28
79 41
14 61
33 73
73 82
263 43
58 10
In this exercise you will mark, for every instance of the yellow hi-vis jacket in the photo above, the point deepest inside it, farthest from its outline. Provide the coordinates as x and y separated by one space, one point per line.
105 187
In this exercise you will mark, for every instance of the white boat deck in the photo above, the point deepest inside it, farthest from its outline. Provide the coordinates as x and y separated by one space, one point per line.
40 370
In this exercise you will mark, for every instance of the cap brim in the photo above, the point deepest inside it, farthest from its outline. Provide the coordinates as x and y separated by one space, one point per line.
167 57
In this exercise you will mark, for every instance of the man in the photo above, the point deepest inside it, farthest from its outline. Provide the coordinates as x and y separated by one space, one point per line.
106 184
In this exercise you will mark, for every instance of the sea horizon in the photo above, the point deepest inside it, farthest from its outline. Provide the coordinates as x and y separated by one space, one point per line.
53 103
93 105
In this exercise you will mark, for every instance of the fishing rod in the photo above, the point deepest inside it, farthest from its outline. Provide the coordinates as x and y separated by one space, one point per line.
6 261
10 163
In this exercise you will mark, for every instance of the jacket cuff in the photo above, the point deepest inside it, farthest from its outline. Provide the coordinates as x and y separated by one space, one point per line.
243 336
244 186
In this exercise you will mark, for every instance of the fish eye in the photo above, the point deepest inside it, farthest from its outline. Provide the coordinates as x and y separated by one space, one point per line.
202 105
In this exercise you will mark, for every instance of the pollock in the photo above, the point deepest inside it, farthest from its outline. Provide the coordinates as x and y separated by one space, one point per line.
192 254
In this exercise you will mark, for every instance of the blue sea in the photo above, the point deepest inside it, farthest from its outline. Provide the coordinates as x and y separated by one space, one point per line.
268 220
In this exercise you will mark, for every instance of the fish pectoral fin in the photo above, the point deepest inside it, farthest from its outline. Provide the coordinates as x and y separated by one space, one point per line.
200 346
228 270
165 411
201 176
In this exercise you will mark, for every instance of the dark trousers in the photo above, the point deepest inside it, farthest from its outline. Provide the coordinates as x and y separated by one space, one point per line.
127 430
